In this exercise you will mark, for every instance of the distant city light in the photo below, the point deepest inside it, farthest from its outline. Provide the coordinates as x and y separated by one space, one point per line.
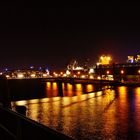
47 70
107 72
7 76
61 73
31 67
98 77
55 74
78 72
20 75
68 72
91 70
33 75
83 76
91 77
64 75
122 71
44 75
77 68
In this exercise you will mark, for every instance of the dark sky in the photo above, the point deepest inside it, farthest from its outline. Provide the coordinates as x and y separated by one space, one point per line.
50 35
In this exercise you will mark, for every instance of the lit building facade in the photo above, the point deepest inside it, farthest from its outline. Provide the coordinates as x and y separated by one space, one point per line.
133 59
104 60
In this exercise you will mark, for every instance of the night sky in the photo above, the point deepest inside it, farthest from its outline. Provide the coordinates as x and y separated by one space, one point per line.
52 35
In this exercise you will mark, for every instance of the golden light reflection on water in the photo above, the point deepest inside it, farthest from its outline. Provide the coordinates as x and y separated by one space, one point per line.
89 88
48 89
137 107
79 88
108 114
55 89
51 89
122 89
122 93
123 107
137 91
116 114
33 110
99 93
82 115
34 101
70 90
20 103
67 89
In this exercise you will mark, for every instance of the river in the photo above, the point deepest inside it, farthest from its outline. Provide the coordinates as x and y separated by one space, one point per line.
86 115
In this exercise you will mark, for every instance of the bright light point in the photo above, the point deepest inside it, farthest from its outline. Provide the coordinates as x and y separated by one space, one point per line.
122 71
91 77
139 71
31 67
7 76
21 102
98 63
78 72
68 72
47 71
98 77
78 68
44 75
64 75
101 57
33 75
55 74
20 75
91 71
83 76
107 72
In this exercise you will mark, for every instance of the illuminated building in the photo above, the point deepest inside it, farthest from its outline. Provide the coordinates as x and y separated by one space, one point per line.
104 60
130 59
74 70
133 59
